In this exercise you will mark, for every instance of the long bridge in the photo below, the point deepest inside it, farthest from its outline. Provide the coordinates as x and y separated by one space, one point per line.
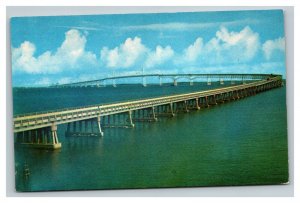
40 129
167 78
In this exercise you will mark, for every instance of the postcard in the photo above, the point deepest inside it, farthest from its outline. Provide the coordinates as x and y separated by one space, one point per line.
160 100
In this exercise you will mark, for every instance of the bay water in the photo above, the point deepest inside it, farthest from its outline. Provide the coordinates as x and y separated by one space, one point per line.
243 142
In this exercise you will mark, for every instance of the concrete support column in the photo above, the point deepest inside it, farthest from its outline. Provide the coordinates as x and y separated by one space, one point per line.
232 95
171 110
53 133
99 125
55 141
160 81
130 118
185 106
197 104
206 101
215 100
174 82
144 82
153 113
221 81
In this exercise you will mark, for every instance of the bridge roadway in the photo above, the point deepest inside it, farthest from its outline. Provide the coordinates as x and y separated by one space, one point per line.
173 77
40 129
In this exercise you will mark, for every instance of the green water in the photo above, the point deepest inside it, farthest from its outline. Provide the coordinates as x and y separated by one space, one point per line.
238 143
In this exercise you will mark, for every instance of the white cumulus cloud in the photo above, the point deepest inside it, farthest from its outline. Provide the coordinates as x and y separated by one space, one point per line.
194 50
233 47
125 55
159 56
71 54
226 47
270 46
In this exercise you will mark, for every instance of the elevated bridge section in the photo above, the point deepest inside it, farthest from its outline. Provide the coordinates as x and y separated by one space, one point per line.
168 78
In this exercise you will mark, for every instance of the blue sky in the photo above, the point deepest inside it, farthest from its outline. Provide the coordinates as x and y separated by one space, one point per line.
62 49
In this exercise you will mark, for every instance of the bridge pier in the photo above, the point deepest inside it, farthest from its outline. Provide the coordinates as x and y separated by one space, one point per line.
114 83
237 94
144 82
221 82
99 125
206 101
171 109
175 82
44 138
208 81
197 104
130 119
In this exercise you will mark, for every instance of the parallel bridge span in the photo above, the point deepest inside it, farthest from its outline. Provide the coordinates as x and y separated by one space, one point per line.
40 129
163 77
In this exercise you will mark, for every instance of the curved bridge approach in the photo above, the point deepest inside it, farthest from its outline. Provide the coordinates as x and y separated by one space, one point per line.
40 129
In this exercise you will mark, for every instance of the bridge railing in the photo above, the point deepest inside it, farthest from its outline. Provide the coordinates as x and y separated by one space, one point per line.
46 119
